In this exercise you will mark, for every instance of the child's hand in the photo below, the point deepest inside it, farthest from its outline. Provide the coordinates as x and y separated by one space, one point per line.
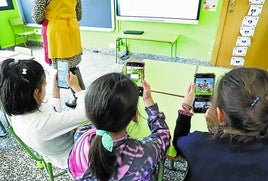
189 94
147 97
55 88
73 82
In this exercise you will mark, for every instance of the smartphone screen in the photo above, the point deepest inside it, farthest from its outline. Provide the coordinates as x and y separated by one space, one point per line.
135 71
63 70
204 89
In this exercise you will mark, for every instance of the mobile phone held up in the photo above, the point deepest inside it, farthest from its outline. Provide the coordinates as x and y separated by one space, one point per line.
135 71
204 89
63 70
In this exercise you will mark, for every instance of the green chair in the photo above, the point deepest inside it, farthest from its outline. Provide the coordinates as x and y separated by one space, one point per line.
19 30
159 172
38 158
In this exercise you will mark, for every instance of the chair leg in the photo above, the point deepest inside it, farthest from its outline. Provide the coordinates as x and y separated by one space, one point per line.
160 171
49 170
36 39
15 37
24 42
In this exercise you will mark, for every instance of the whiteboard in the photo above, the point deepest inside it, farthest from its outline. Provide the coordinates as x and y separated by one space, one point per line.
173 11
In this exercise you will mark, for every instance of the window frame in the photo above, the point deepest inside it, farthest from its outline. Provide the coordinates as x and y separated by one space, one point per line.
9 5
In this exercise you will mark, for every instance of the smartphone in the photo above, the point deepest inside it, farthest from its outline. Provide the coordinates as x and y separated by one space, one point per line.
63 69
204 89
135 71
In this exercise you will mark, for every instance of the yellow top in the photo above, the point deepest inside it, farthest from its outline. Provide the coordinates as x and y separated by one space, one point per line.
63 30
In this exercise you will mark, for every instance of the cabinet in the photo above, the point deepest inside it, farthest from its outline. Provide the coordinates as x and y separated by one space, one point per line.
232 14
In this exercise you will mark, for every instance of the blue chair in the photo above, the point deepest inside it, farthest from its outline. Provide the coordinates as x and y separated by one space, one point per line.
2 130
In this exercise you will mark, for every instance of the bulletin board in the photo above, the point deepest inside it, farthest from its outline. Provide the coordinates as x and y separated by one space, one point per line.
96 14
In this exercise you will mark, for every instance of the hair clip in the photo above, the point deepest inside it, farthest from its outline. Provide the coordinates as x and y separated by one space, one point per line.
106 140
255 102
24 71
16 61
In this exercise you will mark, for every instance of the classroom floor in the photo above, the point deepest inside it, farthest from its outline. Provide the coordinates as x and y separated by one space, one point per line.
15 164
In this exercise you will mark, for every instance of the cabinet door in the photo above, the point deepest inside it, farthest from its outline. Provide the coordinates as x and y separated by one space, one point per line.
233 12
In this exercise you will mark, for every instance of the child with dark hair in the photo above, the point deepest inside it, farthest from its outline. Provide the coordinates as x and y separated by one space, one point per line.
237 150
41 125
106 151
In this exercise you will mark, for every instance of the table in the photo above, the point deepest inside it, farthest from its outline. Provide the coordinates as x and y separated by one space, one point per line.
171 39
168 89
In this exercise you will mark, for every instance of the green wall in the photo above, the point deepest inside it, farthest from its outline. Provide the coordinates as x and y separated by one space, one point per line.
6 35
195 42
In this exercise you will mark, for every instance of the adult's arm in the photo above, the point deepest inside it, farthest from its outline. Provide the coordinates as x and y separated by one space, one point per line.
38 12
78 10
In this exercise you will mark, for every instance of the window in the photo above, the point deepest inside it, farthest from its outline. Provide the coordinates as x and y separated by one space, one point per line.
6 4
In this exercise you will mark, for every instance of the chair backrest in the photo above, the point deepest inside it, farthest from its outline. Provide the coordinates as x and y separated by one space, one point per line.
17 25
23 51
33 154
40 160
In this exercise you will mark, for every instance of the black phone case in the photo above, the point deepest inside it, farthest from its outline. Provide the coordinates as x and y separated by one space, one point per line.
203 101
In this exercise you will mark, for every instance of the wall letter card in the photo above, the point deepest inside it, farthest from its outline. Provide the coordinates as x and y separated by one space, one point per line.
237 61
256 1
255 10
250 21
243 41
240 51
247 31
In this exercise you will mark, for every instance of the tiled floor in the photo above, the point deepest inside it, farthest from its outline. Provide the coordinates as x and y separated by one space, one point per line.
15 164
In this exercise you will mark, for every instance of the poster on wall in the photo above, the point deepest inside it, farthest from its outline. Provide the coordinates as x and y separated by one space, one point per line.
6 4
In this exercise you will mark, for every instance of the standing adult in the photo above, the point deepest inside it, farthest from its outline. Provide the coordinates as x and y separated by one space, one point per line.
63 34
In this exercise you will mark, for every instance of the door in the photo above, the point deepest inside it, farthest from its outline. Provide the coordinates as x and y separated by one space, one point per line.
232 15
